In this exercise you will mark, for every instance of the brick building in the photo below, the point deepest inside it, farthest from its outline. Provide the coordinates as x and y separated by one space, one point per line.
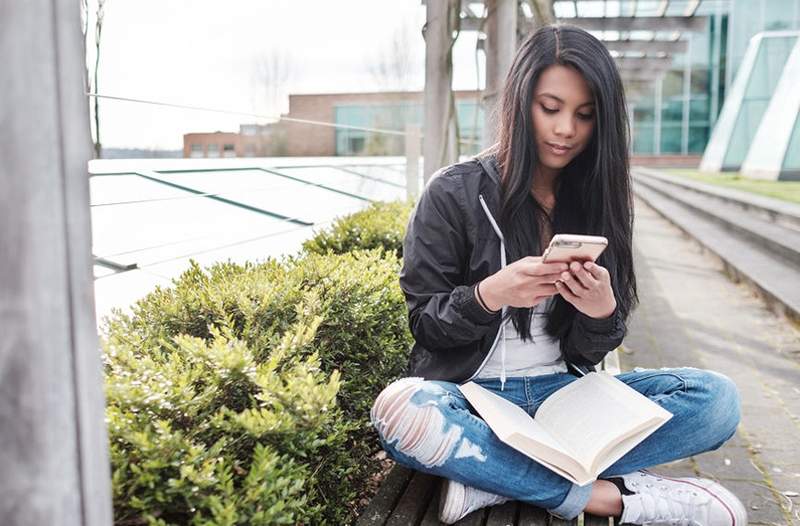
384 110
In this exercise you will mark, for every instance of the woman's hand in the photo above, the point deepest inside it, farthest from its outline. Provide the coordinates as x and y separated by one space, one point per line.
587 286
523 283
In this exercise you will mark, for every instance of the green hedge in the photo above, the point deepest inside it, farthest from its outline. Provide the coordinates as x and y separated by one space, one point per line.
382 224
241 394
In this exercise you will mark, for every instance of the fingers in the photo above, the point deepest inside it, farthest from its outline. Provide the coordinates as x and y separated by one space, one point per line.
572 284
547 289
599 273
566 293
543 269
582 274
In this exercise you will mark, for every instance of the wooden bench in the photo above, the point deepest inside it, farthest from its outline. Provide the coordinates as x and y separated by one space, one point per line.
411 498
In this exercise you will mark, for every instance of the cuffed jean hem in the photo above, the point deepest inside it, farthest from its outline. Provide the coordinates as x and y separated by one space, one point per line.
575 502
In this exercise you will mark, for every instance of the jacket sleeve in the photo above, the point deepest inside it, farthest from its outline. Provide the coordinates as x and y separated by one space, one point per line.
443 311
590 339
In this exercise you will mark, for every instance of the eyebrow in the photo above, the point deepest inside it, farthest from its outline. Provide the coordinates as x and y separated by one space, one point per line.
560 100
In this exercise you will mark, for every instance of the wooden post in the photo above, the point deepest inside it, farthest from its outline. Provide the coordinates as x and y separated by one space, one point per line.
501 44
412 140
441 144
54 449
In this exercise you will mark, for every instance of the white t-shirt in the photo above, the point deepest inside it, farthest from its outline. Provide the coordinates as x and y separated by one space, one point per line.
541 355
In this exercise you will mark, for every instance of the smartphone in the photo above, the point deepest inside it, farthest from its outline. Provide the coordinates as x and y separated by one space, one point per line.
572 247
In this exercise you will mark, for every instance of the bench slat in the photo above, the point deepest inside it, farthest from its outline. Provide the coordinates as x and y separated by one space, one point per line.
382 504
431 517
503 515
414 502
473 519
531 515
594 520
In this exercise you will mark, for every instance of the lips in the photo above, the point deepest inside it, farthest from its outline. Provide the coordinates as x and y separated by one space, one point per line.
558 149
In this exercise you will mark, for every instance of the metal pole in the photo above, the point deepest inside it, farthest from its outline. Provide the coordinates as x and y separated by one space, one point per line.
412 160
687 98
54 446
657 123
716 64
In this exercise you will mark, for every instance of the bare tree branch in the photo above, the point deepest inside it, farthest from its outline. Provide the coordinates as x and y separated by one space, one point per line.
392 68
98 29
272 73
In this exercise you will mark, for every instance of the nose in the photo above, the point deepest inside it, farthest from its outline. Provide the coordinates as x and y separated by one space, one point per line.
565 126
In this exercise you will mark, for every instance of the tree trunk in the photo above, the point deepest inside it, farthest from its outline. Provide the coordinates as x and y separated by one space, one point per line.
441 145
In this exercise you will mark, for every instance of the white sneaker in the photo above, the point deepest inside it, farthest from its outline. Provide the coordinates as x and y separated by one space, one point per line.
688 501
457 500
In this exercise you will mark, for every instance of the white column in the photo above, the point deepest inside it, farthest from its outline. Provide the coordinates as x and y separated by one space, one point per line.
53 453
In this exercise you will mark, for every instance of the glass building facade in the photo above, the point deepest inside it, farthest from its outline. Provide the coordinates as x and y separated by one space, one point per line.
672 112
675 112
394 117
758 127
763 79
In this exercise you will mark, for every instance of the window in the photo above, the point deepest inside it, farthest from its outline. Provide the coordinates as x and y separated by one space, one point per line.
355 145
213 150
196 150
228 150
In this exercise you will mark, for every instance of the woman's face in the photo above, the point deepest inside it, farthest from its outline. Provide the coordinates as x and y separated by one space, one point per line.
563 116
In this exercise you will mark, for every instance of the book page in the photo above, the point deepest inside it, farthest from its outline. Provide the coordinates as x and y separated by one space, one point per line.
515 427
615 452
506 418
555 461
594 411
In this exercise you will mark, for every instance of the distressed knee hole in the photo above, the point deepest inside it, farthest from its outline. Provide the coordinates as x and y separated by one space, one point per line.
417 430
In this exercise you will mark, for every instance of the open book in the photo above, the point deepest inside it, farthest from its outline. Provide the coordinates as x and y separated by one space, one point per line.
580 430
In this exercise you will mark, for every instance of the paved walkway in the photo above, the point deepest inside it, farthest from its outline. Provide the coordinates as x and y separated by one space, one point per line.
691 314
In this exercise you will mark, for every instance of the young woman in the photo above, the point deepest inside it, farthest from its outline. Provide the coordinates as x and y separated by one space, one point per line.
484 307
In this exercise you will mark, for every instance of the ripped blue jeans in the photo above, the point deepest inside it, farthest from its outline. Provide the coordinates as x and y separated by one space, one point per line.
429 426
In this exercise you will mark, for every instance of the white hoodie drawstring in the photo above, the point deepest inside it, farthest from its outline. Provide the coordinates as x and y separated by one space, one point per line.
503 321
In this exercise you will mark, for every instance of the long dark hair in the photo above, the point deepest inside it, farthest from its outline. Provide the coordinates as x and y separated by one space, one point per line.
593 192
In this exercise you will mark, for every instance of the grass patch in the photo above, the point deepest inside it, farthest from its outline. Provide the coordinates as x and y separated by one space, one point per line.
783 190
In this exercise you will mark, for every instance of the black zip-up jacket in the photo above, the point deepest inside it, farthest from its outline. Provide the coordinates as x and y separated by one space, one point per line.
450 245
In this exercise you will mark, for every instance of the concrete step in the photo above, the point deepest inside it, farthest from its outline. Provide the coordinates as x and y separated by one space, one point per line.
776 279
768 208
770 236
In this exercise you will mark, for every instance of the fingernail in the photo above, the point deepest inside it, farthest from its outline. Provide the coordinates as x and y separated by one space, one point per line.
588 264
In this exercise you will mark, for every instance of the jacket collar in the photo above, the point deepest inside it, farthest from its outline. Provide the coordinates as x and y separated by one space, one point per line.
489 164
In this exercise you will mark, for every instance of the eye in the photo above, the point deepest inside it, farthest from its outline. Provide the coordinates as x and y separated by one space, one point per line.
581 116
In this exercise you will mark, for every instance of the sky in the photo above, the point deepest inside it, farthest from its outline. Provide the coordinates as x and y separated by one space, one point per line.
207 53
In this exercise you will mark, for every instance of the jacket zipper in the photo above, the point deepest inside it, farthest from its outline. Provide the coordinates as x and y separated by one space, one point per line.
502 320
488 354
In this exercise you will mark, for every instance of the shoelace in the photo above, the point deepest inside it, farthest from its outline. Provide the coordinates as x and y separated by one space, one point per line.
662 503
